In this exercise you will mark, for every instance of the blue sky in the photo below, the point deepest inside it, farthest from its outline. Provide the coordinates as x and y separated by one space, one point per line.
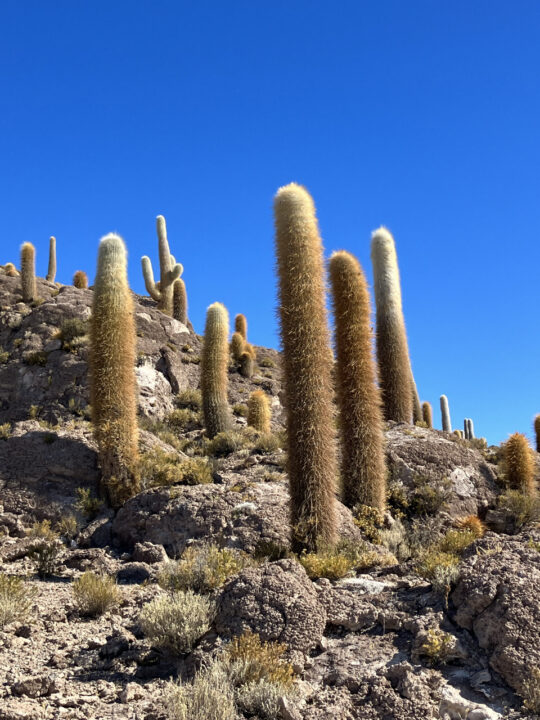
421 115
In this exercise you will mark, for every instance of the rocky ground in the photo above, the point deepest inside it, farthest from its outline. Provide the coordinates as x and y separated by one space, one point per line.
358 645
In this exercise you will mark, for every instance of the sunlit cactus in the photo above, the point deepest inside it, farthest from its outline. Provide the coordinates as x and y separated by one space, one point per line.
519 464
247 365
113 385
180 301
80 280
458 433
363 471
170 270
237 346
11 270
259 412
28 272
214 370
51 272
470 429
392 349
417 407
427 414
445 414
307 370
466 428
240 325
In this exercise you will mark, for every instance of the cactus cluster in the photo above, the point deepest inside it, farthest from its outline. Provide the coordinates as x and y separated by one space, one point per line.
170 270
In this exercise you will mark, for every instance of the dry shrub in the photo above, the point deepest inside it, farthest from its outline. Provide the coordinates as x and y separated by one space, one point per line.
95 594
203 568
15 599
175 622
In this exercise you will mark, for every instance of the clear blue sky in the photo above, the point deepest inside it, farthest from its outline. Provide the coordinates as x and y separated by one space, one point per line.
423 116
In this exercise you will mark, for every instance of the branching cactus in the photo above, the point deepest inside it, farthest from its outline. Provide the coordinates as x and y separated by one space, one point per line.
445 414
392 349
246 364
307 370
427 414
240 325
363 471
169 269
11 270
51 272
80 280
214 370
28 272
519 464
237 346
113 384
180 301
259 413
537 432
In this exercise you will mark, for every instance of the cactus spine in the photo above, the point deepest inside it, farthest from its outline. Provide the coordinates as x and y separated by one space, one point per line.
392 348
80 280
363 472
445 413
519 464
427 414
180 301
240 325
537 432
169 271
246 364
28 272
51 272
307 368
214 370
259 412
112 362
237 346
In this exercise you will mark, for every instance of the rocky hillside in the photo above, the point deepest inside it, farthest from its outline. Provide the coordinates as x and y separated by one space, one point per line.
431 611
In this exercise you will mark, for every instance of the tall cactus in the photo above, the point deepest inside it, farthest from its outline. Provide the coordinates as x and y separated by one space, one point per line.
240 325
237 346
537 432
445 414
214 370
466 428
51 272
519 464
363 471
28 272
169 271
417 407
113 386
427 414
259 412
470 428
392 348
180 301
307 369
80 280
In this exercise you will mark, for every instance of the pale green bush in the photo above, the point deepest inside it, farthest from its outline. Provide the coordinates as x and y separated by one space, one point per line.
175 622
209 697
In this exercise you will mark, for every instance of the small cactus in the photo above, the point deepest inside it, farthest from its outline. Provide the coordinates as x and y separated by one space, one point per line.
28 272
458 433
259 412
392 348
445 414
11 270
246 364
427 414
519 464
237 346
240 325
363 471
537 432
214 370
180 301
80 280
169 269
307 370
113 386
51 272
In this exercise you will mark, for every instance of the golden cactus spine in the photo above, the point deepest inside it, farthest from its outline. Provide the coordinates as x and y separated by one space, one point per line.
259 413
392 349
180 301
519 464
427 414
307 369
237 346
28 272
11 270
170 270
214 370
240 325
51 271
363 471
537 432
247 365
445 414
113 385
80 280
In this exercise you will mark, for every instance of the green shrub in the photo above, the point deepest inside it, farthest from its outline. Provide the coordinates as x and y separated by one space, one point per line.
267 363
440 568
159 468
337 562
522 506
94 594
15 599
183 419
456 541
4 356
44 554
266 443
190 399
36 358
370 520
240 410
203 568
72 333
87 504
67 527
225 443
175 622
438 646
